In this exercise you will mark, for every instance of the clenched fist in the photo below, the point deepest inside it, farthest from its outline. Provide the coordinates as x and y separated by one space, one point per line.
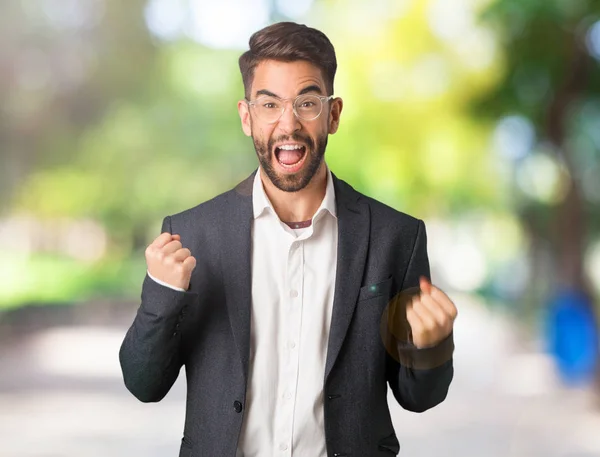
416 326
168 261
431 315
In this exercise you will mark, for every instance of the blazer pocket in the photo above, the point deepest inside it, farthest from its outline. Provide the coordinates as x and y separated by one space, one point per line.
376 289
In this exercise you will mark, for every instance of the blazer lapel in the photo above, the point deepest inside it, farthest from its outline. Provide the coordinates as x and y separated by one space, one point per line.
353 243
236 264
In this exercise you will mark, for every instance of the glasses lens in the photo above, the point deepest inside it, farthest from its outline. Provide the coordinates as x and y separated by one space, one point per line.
308 107
268 109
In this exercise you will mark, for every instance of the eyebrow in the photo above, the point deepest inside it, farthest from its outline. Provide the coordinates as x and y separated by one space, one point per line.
311 88
307 89
266 92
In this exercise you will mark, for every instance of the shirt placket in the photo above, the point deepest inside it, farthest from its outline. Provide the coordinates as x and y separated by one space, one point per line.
292 302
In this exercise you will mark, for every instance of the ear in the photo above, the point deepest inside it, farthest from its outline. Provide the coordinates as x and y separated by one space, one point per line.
244 112
334 118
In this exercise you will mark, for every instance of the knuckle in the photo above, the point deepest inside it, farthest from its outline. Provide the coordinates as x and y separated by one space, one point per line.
416 327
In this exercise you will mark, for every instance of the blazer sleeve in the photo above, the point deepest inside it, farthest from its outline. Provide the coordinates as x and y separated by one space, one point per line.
150 353
420 378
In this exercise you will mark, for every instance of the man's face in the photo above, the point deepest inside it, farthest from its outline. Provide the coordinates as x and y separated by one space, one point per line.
290 151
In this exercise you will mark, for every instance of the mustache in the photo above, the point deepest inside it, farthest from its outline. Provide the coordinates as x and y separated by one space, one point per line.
310 144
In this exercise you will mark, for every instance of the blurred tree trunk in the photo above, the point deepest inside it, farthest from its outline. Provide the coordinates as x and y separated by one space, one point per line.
570 221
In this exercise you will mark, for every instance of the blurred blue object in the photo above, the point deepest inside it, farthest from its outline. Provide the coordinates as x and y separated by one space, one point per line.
572 334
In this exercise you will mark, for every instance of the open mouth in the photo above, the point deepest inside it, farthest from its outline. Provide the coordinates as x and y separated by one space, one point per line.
290 157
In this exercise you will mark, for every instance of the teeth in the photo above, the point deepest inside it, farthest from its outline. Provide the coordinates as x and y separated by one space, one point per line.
290 147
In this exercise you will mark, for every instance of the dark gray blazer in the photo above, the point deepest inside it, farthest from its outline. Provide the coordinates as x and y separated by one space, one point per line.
207 328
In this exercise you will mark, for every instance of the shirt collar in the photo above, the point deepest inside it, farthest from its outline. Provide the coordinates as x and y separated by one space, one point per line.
261 202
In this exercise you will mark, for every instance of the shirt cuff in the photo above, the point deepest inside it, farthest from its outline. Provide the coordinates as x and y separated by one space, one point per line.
426 358
162 283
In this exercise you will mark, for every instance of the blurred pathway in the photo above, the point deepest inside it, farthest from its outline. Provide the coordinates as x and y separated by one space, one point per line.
61 395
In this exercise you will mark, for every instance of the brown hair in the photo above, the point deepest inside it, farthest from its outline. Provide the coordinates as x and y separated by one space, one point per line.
289 42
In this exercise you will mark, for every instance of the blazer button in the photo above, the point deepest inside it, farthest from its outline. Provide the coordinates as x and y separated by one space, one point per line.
237 406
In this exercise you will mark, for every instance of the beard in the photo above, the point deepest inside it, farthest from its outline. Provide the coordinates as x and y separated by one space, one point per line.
291 182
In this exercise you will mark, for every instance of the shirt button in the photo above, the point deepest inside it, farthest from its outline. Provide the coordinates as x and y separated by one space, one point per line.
237 406
283 447
288 396
292 345
294 293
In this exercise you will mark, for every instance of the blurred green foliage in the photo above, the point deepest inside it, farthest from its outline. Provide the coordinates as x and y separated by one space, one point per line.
143 128
552 81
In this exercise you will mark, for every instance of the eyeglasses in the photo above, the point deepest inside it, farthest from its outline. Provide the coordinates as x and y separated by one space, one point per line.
306 107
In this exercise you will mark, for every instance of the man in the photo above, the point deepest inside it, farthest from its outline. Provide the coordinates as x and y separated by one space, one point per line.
272 294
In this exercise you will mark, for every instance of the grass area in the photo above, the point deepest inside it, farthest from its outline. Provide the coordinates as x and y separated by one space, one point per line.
51 279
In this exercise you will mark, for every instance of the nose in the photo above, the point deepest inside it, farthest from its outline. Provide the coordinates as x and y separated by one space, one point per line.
289 123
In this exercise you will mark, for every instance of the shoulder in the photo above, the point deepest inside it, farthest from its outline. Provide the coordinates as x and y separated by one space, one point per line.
387 214
211 210
381 213
207 209
210 215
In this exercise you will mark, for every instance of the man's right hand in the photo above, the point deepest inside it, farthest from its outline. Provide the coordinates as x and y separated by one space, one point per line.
168 261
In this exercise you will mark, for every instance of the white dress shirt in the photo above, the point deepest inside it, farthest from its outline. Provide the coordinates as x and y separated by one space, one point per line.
293 278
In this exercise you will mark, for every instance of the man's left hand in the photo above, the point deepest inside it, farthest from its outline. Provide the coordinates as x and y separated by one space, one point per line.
431 315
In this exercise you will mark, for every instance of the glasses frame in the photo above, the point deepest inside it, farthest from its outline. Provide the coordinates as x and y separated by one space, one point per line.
323 98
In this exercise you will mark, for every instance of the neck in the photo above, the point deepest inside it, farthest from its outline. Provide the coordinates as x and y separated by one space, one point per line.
297 206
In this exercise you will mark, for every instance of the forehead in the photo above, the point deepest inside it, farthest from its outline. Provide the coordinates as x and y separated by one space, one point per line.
286 78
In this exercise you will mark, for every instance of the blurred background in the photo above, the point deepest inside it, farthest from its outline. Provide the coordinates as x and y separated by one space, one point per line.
481 117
